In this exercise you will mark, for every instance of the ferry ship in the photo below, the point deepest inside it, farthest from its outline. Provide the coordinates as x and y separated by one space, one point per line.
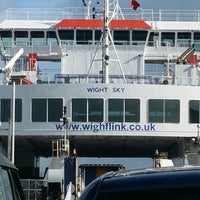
124 85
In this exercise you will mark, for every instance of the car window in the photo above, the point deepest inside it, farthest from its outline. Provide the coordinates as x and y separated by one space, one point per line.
17 185
5 185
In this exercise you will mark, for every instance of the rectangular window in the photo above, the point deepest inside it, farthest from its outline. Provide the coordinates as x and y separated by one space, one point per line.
184 39
66 36
6 39
167 39
37 38
84 36
132 110
84 110
164 111
194 111
55 110
124 110
44 110
39 110
156 110
21 38
115 110
139 37
172 111
51 38
197 41
79 110
6 108
153 39
121 37
97 36
95 110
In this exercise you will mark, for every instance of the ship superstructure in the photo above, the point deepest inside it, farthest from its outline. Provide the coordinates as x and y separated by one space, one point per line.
127 106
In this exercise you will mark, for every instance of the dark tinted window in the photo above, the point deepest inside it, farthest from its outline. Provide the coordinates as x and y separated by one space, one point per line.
43 109
39 110
164 111
55 109
84 110
83 36
121 37
194 111
6 108
123 110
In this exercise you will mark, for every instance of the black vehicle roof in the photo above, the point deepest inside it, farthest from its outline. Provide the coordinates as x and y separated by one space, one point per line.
4 162
143 180
154 170
151 178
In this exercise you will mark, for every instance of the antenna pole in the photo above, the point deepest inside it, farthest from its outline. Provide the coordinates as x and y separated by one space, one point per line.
105 55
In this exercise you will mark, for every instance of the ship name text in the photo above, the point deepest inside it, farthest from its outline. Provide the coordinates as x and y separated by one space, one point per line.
105 89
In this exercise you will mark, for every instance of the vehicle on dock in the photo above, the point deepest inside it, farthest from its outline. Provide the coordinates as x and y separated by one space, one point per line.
10 185
156 183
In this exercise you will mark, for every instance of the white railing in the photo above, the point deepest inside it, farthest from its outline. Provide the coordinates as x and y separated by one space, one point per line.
81 12
113 79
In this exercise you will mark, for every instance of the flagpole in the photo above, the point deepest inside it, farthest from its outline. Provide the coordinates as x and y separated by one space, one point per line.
13 124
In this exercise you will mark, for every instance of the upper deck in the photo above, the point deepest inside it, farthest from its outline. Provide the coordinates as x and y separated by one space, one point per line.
61 35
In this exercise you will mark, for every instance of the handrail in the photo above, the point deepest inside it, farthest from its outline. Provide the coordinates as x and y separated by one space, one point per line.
52 14
114 79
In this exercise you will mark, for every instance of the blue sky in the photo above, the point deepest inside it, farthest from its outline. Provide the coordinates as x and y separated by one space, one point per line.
145 4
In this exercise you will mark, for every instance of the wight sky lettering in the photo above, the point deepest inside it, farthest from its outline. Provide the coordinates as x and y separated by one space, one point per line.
97 89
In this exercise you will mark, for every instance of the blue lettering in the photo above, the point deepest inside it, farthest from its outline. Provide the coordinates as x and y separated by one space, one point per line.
97 89
59 127
118 90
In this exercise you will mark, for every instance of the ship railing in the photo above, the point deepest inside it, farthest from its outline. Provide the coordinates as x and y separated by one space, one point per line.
113 79
55 14
47 48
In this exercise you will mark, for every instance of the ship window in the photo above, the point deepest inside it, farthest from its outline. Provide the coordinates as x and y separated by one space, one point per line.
97 36
93 108
139 37
55 110
132 110
153 39
194 111
84 37
184 39
6 38
115 110
39 110
43 109
6 108
37 38
121 37
197 41
123 110
79 110
51 38
66 36
167 39
164 111
21 38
